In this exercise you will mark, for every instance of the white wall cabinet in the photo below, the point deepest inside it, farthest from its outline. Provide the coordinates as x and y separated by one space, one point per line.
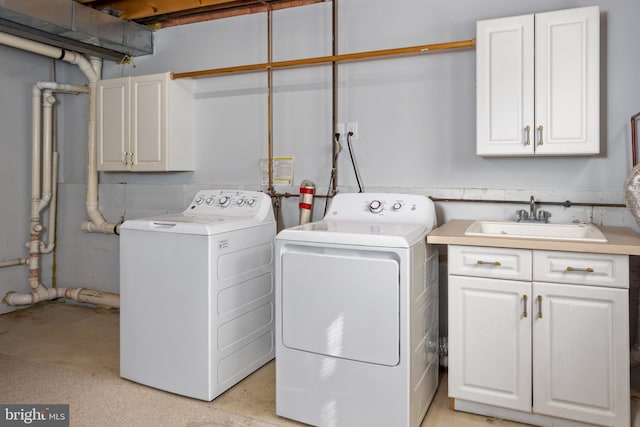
542 333
538 84
145 123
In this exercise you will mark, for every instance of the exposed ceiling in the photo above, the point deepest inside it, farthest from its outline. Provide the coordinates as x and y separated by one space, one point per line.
165 13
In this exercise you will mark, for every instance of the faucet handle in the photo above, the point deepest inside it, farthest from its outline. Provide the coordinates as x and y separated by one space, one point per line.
543 216
523 215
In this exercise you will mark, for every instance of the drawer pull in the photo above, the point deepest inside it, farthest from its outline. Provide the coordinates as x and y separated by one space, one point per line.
496 263
587 270
539 306
524 300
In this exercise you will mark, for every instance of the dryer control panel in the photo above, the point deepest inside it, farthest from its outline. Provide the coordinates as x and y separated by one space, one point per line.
381 208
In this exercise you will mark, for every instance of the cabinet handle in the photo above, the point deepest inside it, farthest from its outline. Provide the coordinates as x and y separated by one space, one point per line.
540 128
496 263
539 306
587 270
528 133
131 158
124 158
524 304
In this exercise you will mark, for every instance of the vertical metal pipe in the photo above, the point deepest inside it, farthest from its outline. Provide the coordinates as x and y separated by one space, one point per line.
334 98
634 148
269 104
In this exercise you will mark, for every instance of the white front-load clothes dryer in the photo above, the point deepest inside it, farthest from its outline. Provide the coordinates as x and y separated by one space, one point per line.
196 294
357 313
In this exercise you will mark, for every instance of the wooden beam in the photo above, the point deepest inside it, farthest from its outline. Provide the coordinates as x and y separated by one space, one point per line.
226 11
136 9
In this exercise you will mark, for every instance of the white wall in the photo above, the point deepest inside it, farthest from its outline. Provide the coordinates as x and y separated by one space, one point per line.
416 119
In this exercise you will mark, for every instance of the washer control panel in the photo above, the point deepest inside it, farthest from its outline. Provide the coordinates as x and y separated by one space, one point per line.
229 203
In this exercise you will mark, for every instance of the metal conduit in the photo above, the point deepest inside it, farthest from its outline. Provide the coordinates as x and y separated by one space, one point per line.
566 203
329 59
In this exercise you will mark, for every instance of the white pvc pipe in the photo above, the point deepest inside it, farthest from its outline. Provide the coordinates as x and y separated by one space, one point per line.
48 100
97 221
36 147
78 294
47 248
12 262
31 46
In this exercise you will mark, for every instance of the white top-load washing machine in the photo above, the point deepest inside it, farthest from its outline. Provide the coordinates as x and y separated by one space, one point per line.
196 294
357 313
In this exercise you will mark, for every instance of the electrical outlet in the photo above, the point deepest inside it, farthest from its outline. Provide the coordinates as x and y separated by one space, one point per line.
353 128
340 129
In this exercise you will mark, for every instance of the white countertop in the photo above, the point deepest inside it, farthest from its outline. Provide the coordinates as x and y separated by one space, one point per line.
620 240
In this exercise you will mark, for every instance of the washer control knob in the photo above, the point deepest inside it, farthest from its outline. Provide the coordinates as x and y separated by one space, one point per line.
224 201
240 202
251 202
375 206
209 201
397 206
199 200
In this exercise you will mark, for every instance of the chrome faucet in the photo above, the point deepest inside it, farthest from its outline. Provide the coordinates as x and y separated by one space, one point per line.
532 215
532 207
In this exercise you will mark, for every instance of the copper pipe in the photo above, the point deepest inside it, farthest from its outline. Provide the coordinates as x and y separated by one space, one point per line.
334 98
329 59
289 195
269 105
566 203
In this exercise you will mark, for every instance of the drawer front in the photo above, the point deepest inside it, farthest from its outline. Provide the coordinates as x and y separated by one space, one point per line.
498 263
581 268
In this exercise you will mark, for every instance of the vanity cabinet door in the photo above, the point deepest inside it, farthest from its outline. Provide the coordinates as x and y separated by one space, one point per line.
580 353
490 341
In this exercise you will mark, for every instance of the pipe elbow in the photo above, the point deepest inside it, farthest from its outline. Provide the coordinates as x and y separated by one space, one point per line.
104 227
44 201
82 63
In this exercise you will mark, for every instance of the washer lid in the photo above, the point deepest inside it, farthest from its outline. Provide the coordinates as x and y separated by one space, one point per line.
356 233
187 223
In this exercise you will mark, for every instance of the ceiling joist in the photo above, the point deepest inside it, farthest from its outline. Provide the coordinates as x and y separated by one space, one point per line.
166 13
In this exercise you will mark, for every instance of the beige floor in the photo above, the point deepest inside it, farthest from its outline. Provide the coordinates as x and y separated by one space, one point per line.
65 353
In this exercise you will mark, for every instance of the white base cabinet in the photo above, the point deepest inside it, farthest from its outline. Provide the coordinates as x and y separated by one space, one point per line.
538 84
145 124
557 349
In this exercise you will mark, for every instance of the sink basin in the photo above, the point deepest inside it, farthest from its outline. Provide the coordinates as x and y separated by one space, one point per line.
527 230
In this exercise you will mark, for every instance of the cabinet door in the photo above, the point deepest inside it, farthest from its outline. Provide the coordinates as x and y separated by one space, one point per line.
505 85
112 122
581 353
567 81
148 127
490 341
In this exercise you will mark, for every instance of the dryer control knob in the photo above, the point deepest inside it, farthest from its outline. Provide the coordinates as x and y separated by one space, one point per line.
397 206
224 201
375 206
251 202
210 201
240 202
199 200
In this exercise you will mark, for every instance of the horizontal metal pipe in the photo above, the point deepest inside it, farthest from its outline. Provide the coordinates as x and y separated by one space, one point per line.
566 203
328 59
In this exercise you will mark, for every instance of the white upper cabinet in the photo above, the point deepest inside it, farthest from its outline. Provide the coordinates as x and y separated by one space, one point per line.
538 84
144 124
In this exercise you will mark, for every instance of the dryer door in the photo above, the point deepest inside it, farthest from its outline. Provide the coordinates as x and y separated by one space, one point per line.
341 303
